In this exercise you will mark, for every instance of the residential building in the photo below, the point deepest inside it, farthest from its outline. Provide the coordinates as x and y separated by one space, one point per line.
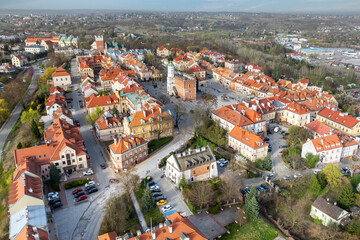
127 151
247 143
6 68
328 148
63 113
66 51
68 41
56 90
197 73
108 127
18 60
318 129
63 146
185 88
234 65
329 213
105 103
108 236
162 52
54 102
34 49
241 116
295 114
61 78
37 40
170 79
192 165
149 124
340 121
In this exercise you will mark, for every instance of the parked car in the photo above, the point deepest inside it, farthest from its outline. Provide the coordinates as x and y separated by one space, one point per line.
266 139
79 194
159 198
81 198
157 194
269 132
269 148
166 208
161 202
298 175
88 172
155 190
276 129
81 106
103 166
259 188
92 190
56 205
284 146
245 190
270 176
54 200
76 191
53 194
264 186
114 180
91 183
287 177
150 184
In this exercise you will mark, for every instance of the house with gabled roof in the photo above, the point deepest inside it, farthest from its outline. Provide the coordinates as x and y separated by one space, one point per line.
340 121
61 77
329 213
105 103
54 102
63 113
192 165
162 51
108 127
319 129
295 114
127 151
247 143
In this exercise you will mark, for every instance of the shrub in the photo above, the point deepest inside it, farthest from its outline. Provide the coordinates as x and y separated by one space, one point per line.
56 186
214 210
76 183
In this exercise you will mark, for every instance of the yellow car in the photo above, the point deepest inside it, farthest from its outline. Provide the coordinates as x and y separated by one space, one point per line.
161 202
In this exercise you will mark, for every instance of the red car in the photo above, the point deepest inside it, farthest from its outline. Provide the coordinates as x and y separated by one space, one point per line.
114 180
81 198
76 191
81 106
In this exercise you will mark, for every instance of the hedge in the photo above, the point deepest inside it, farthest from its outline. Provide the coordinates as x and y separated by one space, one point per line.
76 183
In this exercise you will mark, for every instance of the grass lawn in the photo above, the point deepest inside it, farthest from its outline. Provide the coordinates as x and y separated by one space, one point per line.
154 214
257 230
156 144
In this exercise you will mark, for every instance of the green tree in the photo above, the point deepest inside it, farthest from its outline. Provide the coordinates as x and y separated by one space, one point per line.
47 73
321 179
346 196
92 117
4 110
311 159
147 200
34 128
115 111
333 175
251 207
267 163
314 185
253 192
29 116
54 173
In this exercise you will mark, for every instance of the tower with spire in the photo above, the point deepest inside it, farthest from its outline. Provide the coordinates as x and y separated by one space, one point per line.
170 78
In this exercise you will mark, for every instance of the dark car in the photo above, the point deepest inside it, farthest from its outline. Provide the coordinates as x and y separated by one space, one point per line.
283 146
149 184
159 198
54 200
264 186
269 149
157 195
155 190
103 166
79 194
56 205
269 132
266 139
92 190
89 187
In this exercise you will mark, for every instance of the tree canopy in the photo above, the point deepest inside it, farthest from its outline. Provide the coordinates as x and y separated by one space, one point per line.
333 175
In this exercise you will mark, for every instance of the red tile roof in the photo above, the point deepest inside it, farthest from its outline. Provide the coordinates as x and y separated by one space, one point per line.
126 143
60 72
28 233
147 115
108 236
107 100
106 120
326 143
25 185
318 128
296 108
339 117
250 139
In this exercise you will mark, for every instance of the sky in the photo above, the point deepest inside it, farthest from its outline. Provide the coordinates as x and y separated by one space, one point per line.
276 6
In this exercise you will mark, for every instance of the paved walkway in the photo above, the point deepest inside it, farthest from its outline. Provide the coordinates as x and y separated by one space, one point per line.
15 114
138 211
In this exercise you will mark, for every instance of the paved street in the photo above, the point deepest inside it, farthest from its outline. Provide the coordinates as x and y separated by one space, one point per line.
15 114
279 168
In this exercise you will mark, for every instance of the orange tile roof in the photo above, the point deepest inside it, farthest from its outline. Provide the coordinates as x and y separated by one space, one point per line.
326 143
28 233
60 72
146 115
106 120
24 185
346 140
250 139
62 111
339 117
232 116
126 143
296 108
318 128
56 89
108 236
181 227
94 101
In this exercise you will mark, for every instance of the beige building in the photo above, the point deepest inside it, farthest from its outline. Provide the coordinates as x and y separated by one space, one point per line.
162 51
61 78
127 151
295 114
248 144
108 127
18 60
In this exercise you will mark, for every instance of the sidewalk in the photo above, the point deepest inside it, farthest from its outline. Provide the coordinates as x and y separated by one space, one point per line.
138 211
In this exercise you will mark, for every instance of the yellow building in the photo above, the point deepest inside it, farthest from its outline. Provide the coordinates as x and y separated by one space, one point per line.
294 114
340 121
149 124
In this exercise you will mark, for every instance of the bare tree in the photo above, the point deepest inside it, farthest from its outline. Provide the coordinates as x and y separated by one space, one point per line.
179 112
129 181
201 194
230 186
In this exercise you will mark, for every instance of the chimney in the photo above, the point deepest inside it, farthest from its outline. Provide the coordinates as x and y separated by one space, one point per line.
168 224
115 140
153 234
30 190
322 141
335 203
144 113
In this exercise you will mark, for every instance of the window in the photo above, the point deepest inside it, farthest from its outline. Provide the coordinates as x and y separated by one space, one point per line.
80 159
57 164
63 162
194 172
